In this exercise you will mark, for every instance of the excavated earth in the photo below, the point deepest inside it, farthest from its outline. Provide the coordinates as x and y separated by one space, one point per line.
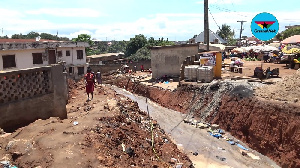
270 126
109 131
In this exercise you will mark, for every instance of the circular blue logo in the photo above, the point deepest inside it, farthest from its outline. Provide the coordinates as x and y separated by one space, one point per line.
264 26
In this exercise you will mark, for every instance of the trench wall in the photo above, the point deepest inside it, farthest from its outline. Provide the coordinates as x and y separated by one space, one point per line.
30 94
271 128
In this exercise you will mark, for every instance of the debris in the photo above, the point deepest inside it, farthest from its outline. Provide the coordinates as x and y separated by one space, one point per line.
221 148
75 123
179 165
242 147
214 127
221 131
123 147
231 142
244 153
186 120
202 125
217 135
254 156
129 151
221 158
2 131
173 160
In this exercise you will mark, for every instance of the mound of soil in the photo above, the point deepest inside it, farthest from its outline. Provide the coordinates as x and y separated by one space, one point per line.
109 131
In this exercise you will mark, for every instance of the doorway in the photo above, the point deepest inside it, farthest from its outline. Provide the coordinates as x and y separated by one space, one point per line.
52 57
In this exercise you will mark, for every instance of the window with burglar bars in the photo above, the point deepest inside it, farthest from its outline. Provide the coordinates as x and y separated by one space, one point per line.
9 61
37 58
79 54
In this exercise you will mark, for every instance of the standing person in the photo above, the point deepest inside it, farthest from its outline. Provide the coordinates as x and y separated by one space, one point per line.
98 77
142 68
134 69
90 82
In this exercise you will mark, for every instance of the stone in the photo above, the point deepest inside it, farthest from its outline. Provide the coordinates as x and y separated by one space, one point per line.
201 125
214 127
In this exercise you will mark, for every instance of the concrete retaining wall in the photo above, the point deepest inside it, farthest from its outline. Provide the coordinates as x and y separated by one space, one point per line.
27 95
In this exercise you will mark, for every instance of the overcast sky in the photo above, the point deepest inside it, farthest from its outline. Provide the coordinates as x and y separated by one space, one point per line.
122 19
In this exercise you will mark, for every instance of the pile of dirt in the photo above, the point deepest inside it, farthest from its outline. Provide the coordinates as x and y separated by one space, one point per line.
271 128
109 131
287 90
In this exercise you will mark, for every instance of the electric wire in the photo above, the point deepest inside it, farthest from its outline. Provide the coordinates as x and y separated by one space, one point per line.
214 19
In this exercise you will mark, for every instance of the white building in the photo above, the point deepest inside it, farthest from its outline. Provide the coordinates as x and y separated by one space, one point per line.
27 53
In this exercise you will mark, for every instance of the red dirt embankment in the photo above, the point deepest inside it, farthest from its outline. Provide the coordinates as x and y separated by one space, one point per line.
272 128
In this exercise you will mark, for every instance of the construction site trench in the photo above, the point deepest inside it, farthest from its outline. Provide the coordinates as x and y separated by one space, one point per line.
269 127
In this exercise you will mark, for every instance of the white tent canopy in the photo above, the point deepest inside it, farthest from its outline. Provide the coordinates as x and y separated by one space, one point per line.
256 48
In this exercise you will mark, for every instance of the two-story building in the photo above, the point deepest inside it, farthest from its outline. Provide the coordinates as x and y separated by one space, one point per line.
27 53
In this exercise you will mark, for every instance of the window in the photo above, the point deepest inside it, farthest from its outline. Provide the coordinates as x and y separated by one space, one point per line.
79 54
59 53
9 61
80 69
70 70
68 53
37 58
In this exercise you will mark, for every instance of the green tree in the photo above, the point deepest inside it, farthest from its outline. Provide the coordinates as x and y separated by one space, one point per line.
141 54
288 33
134 44
18 36
85 38
225 32
32 35
48 36
4 37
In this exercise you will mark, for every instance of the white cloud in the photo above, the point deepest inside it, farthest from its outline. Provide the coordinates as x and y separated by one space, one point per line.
66 12
221 2
175 26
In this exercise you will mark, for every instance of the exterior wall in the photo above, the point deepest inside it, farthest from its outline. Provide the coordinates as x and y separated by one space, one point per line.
30 94
72 61
23 58
110 67
167 60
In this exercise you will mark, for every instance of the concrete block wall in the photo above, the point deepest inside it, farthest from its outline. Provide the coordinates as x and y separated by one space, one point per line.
110 67
167 60
30 94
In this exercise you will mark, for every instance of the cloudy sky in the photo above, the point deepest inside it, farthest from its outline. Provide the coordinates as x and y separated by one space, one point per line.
122 19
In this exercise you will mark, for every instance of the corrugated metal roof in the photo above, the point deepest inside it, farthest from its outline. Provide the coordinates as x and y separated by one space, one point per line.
212 37
291 40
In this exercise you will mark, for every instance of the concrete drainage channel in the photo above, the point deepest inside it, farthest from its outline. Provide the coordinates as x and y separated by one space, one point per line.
206 146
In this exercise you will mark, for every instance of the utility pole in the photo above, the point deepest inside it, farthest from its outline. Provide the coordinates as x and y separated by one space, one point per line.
206 26
241 30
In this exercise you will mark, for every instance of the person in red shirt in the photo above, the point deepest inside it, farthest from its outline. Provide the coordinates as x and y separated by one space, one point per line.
90 83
